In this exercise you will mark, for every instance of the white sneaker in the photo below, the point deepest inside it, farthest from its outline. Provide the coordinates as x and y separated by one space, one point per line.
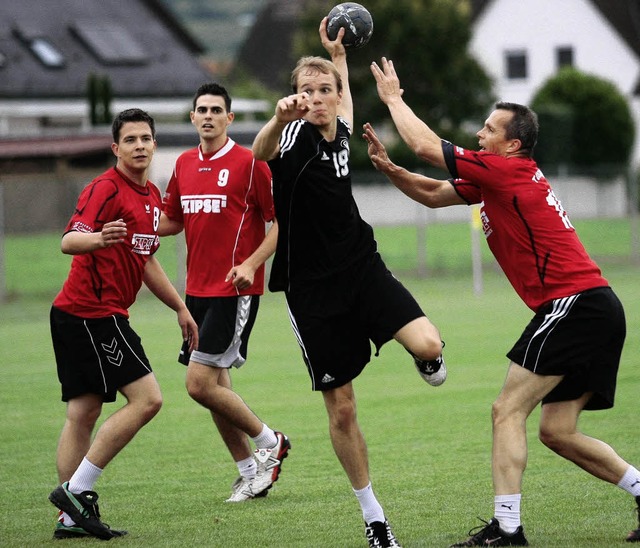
242 490
269 464
433 371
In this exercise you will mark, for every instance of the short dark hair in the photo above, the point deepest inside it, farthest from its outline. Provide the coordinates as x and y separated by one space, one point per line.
212 88
131 115
523 125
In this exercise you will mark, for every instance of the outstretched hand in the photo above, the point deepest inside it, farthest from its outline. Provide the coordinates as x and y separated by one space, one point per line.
376 150
293 107
387 81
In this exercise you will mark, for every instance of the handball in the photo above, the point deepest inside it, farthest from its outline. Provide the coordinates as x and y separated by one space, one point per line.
355 19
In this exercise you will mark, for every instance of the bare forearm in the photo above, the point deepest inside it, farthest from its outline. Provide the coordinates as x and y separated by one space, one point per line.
160 285
416 134
266 143
265 249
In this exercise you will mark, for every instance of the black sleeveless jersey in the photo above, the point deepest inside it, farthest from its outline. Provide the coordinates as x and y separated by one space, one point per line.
320 231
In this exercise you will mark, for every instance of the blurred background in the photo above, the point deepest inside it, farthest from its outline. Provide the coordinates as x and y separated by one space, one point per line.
67 66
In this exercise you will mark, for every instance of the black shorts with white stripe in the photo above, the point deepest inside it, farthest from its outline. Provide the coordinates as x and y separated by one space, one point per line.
580 337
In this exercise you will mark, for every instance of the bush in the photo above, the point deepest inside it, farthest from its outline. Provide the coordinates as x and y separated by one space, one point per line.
600 125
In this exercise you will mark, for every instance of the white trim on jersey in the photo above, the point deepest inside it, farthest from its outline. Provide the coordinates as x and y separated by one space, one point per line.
289 135
242 218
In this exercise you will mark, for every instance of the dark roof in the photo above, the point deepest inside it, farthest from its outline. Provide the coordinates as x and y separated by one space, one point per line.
624 15
48 49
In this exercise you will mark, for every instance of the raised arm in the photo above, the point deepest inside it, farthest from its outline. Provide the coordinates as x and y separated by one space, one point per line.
419 136
338 55
430 192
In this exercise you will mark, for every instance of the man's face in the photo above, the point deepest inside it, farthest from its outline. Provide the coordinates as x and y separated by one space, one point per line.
492 137
324 98
210 117
135 147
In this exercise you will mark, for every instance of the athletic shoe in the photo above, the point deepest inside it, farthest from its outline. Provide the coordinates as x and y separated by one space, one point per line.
242 489
63 531
269 464
491 535
379 534
432 371
83 509
634 536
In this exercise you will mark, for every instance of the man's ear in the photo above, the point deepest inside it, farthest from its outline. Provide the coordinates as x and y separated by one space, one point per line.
514 146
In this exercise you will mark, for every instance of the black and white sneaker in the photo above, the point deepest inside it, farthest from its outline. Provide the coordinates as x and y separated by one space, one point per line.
379 534
83 509
490 534
433 371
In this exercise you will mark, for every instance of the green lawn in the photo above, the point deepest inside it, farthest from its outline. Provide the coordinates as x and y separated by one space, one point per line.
429 448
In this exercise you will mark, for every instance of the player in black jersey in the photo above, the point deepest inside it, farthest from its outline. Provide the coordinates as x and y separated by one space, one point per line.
339 292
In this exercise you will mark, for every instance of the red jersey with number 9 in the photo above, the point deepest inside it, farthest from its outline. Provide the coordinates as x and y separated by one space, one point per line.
525 225
107 281
223 200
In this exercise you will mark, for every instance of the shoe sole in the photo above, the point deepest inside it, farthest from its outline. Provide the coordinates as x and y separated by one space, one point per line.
60 500
65 533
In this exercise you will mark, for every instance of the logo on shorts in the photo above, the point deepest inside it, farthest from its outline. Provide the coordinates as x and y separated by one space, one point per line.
113 353
327 378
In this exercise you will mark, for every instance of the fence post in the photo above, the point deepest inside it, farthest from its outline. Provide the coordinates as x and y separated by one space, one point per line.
3 277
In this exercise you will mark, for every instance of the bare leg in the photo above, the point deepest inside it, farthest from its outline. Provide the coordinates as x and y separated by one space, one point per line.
558 431
144 400
75 438
204 386
235 439
421 338
521 393
346 436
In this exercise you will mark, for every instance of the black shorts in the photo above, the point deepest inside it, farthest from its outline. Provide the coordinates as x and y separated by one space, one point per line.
580 337
96 355
335 319
224 327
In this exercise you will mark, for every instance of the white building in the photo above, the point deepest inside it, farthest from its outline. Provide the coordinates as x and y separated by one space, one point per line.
522 43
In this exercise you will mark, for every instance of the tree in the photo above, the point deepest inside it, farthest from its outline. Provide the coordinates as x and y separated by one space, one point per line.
602 128
428 42
99 96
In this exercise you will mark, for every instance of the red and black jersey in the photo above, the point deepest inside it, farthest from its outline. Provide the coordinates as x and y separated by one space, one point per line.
526 227
320 231
223 200
106 281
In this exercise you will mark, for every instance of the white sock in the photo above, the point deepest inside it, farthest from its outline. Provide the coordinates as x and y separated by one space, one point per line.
265 439
85 477
630 482
507 512
65 519
371 509
247 467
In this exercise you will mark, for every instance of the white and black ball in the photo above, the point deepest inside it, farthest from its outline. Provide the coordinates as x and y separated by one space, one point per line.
356 20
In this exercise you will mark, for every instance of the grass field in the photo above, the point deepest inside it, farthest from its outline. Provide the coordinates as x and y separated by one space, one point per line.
429 448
